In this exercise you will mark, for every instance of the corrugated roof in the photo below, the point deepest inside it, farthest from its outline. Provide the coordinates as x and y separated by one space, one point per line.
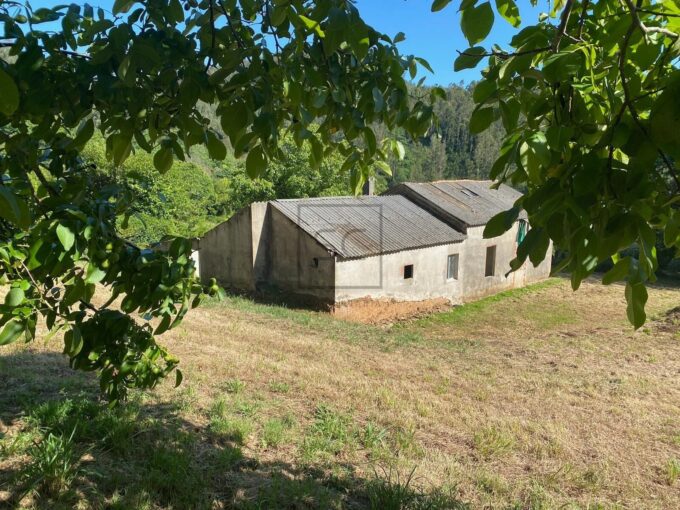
473 202
368 225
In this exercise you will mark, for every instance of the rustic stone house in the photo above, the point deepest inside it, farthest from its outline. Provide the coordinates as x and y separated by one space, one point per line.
418 241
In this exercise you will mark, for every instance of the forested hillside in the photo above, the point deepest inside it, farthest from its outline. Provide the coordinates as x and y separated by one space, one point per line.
195 195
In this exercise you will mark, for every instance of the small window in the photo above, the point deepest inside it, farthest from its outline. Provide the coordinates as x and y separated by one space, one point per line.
315 262
490 261
452 267
408 272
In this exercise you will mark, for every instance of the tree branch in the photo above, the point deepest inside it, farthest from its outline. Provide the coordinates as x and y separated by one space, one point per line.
628 100
562 28
582 19
212 36
634 9
7 43
505 54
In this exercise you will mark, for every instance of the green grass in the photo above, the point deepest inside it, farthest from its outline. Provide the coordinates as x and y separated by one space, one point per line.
373 437
171 477
493 441
227 426
391 490
491 483
284 492
472 311
275 431
672 471
227 458
53 464
330 434
234 386
219 441
322 323
279 387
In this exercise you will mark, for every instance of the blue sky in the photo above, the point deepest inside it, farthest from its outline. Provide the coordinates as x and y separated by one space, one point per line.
433 36
436 36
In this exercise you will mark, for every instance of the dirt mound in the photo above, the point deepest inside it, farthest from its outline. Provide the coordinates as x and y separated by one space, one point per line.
670 322
383 311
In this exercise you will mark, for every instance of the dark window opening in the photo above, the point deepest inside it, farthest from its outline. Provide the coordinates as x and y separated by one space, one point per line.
315 262
490 261
408 272
452 267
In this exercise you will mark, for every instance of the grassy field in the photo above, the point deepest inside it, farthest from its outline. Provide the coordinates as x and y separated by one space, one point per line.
535 398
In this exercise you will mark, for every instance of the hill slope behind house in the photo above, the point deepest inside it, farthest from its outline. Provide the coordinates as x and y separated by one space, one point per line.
534 398
194 196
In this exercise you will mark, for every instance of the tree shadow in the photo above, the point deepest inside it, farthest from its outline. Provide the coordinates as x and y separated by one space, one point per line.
145 454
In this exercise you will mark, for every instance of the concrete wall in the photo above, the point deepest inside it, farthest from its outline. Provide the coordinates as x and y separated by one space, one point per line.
299 264
382 277
260 219
226 252
476 284
259 246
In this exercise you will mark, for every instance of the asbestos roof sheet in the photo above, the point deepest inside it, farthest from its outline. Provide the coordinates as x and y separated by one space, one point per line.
472 202
354 227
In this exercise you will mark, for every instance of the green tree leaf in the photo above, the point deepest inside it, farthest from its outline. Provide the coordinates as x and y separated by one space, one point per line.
618 272
509 11
469 58
9 94
122 6
476 22
256 162
14 209
216 148
66 236
438 5
163 159
312 25
73 342
636 298
501 223
15 297
481 119
11 331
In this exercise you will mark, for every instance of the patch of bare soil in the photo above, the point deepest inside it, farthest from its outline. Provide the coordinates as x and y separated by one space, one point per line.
669 322
383 311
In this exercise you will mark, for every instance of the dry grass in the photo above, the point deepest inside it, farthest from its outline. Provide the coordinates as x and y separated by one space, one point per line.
537 398
387 312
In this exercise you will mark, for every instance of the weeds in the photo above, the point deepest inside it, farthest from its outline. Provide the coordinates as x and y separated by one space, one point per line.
284 492
227 458
234 386
173 479
53 464
391 491
234 429
330 433
672 471
491 483
493 441
274 431
279 387
373 437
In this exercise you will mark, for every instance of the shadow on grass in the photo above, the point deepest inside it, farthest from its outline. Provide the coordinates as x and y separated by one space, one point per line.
146 455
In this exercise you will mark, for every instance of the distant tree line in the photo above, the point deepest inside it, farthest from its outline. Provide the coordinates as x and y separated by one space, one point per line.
193 196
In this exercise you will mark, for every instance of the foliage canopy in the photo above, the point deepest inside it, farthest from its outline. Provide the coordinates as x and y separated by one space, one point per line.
139 75
588 98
